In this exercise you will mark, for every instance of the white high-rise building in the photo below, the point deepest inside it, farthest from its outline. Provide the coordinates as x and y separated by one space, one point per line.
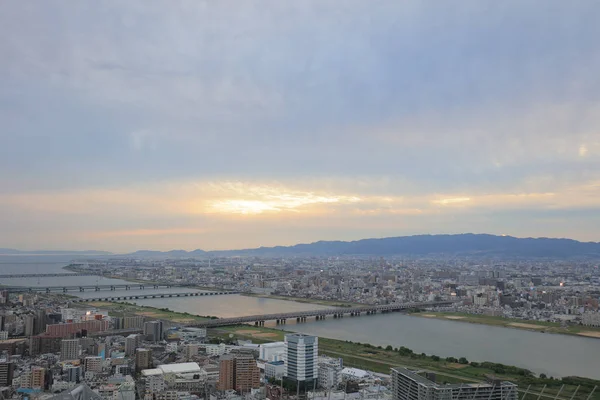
301 357
271 351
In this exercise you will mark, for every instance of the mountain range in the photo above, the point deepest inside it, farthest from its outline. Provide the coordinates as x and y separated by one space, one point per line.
460 244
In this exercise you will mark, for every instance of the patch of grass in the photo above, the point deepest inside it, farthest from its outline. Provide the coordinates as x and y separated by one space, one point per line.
541 326
119 309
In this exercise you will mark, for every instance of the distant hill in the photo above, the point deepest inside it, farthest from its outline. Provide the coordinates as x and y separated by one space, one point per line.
167 254
462 244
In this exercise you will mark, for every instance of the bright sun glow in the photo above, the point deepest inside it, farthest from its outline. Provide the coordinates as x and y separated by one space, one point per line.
259 200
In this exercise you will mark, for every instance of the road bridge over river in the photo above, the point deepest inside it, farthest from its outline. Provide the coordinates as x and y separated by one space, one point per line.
300 316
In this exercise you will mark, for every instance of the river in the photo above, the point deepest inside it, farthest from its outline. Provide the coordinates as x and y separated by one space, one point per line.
554 355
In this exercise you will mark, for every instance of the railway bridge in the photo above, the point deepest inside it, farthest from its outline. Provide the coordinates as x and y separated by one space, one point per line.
83 288
150 296
56 275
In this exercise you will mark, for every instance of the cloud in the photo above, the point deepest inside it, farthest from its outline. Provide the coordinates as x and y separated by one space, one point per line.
374 117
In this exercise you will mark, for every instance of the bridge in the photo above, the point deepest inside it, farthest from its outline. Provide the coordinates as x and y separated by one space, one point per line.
151 296
83 288
8 276
301 316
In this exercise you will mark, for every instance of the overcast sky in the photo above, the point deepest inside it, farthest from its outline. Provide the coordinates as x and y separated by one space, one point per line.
231 124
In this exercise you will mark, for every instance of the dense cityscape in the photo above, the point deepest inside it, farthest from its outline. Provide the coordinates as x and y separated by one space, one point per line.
52 342
299 200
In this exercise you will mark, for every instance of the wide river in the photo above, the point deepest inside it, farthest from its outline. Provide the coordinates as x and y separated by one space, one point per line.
554 355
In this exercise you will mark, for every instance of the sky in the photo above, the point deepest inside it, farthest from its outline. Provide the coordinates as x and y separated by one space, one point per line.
226 124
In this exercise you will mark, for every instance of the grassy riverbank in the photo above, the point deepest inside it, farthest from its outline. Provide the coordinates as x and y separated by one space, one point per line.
539 326
451 370
331 303
120 309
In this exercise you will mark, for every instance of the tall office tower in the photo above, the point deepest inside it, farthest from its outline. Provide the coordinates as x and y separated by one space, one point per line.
238 372
408 385
301 357
143 359
29 325
6 373
40 321
153 330
69 349
132 342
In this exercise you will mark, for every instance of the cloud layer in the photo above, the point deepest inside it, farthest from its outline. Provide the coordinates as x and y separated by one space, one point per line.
224 124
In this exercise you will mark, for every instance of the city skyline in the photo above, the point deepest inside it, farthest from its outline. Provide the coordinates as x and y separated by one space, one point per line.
130 126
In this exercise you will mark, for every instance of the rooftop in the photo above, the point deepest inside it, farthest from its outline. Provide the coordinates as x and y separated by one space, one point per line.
180 368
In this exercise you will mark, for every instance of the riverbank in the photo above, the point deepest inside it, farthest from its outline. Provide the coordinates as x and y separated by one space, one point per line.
331 303
121 309
448 370
538 326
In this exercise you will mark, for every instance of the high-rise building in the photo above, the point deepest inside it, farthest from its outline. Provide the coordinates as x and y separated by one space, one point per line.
226 373
44 344
143 359
29 325
301 357
40 321
330 375
37 378
68 329
132 342
191 350
6 373
73 373
69 349
238 372
92 364
154 382
408 385
135 322
153 330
